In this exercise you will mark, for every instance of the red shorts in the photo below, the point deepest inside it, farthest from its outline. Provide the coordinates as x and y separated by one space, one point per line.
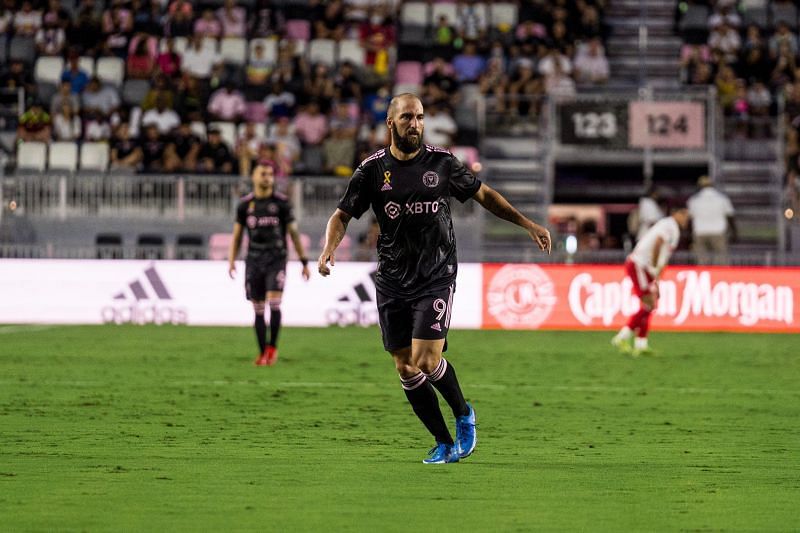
643 282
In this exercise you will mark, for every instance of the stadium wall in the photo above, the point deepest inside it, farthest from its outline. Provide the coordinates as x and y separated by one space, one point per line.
489 296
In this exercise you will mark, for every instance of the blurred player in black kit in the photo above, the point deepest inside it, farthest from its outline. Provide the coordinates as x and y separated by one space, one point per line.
408 185
267 216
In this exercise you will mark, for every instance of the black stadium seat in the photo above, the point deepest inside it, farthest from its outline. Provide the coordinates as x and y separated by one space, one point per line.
108 245
190 246
150 246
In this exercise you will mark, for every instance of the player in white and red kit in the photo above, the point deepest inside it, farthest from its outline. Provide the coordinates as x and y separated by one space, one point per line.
643 267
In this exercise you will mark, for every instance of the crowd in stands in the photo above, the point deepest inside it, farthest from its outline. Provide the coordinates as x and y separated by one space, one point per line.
180 86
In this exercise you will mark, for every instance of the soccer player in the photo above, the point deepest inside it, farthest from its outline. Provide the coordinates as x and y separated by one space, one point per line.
644 266
267 216
408 185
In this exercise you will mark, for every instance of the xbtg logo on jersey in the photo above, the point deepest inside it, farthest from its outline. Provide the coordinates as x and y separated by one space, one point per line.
520 296
430 179
392 210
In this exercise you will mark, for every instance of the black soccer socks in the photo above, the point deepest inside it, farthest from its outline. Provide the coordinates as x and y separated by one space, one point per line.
425 404
261 331
445 380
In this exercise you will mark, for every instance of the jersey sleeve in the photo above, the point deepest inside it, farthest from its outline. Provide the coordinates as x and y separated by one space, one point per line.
355 200
241 214
463 183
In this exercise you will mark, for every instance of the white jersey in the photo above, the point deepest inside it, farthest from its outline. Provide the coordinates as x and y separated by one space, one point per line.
670 233
710 210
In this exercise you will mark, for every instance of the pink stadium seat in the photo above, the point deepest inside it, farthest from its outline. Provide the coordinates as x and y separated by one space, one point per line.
467 154
298 29
429 66
255 112
409 72
218 246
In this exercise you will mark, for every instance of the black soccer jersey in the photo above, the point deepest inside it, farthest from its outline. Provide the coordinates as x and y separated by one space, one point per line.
266 220
411 200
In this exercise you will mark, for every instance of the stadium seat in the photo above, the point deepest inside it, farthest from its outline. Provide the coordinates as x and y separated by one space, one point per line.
227 131
503 14
352 51
199 129
756 15
111 70
150 246
466 154
86 64
261 129
695 18
190 246
180 44
270 48
211 43
94 156
298 29
322 51
448 10
108 246
134 91
300 48
63 155
409 72
414 14
786 13
400 88
255 112
31 156
233 50
218 246
22 48
48 69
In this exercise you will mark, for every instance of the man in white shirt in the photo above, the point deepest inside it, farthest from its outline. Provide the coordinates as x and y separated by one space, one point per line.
649 212
162 117
712 219
644 266
440 128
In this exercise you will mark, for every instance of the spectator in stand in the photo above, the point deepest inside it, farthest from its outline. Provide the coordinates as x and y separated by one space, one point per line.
440 128
141 62
287 145
67 124
85 35
560 39
215 156
377 36
64 95
147 17
168 62
445 35
190 99
310 125
56 14
247 148
331 24
702 75
726 87
279 102
7 9
591 65
227 104
162 117
35 124
125 151
590 24
346 85
96 126
556 69
77 77
493 84
18 76
724 14
339 148
50 39
180 19
712 221
267 20
117 27
755 65
319 87
102 98
258 69
182 150
440 85
198 60
468 65
153 148
759 101
207 25
785 66
726 40
27 20
471 22
233 19
159 89
783 36
376 105
524 90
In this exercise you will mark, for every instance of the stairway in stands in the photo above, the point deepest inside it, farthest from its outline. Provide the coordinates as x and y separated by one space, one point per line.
515 166
661 55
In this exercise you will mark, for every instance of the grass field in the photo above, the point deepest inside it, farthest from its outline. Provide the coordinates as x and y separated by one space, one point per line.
173 429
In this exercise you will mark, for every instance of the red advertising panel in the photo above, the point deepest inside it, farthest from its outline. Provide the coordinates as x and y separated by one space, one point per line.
525 296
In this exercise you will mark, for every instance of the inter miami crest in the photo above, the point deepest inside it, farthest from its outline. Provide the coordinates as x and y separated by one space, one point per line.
430 179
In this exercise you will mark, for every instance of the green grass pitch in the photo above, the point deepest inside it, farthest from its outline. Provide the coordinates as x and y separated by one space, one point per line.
173 429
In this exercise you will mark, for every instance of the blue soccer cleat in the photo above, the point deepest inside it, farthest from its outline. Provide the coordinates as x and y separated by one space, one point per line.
441 454
466 436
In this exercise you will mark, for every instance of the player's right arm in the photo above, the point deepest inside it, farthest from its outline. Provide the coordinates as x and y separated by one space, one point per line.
656 254
334 233
236 242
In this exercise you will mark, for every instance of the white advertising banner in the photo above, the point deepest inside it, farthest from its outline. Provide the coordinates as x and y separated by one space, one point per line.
196 293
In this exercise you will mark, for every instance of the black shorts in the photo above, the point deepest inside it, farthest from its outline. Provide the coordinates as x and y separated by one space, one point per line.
425 317
261 278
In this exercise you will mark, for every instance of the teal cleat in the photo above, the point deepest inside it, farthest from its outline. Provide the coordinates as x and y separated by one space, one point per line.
466 436
441 454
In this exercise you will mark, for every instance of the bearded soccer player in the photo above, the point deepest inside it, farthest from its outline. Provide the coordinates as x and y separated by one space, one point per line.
267 216
408 185
644 266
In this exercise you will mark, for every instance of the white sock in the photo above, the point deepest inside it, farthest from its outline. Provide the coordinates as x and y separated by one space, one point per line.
624 334
640 343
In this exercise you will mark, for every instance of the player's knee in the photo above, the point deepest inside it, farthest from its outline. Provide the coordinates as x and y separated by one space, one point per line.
258 307
406 370
427 362
274 304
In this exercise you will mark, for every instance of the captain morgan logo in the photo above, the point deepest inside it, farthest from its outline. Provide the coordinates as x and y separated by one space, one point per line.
520 296
145 300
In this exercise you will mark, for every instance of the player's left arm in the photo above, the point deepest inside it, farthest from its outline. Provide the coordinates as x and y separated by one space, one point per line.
298 245
495 203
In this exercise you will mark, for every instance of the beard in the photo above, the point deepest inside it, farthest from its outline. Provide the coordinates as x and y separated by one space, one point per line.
407 144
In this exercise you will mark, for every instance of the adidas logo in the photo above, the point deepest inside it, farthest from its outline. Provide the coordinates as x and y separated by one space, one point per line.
356 308
144 301
436 326
386 187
